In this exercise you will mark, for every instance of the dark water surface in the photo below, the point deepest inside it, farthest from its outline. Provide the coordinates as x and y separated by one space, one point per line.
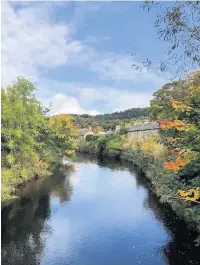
101 212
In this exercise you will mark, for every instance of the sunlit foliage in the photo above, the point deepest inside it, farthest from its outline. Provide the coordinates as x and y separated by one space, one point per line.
29 142
190 194
177 107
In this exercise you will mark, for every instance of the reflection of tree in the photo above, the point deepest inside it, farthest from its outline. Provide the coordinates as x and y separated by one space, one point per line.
24 226
103 161
62 187
63 190
181 248
21 237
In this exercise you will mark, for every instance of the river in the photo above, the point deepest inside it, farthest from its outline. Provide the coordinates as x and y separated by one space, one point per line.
98 212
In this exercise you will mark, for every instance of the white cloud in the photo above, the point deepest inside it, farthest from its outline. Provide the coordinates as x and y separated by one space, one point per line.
119 67
113 66
65 104
117 99
114 98
34 41
31 40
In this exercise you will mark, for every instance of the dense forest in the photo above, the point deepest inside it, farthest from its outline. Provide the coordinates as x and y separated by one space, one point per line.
110 121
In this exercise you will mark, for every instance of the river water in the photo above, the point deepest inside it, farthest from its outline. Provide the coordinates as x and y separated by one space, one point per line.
97 212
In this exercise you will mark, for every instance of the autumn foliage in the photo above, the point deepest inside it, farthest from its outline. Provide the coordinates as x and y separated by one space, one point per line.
191 194
31 142
168 124
178 106
178 163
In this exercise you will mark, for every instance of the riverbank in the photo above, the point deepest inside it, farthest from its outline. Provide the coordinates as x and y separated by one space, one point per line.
13 186
164 183
103 212
27 194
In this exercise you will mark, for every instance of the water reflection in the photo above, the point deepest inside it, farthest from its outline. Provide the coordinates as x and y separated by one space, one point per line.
180 247
103 213
24 228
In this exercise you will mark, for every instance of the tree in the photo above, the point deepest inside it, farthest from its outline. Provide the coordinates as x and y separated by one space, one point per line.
111 120
21 122
30 140
177 107
178 24
64 131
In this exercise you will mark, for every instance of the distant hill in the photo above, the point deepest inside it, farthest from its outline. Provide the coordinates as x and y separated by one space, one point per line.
111 120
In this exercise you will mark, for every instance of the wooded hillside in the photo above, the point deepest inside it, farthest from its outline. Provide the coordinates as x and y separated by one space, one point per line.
110 121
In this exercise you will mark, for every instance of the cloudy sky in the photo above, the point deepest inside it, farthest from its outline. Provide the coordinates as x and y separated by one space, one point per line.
78 54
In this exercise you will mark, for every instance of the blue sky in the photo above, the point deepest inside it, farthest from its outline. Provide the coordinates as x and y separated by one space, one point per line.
78 54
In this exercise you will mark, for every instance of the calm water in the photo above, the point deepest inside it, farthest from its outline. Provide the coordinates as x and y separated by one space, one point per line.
100 212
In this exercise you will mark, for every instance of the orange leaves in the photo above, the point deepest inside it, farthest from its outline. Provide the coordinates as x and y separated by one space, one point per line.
182 159
191 194
177 164
167 124
170 166
180 106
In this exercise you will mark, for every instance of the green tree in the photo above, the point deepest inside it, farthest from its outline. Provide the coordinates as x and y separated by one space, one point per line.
30 141
21 122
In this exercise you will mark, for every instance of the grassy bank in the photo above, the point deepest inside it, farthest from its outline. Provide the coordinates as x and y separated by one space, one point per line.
149 155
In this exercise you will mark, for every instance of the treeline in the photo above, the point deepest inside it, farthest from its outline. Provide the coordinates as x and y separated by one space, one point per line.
31 141
170 158
110 121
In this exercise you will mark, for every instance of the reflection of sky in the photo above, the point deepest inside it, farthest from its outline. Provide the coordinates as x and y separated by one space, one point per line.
104 223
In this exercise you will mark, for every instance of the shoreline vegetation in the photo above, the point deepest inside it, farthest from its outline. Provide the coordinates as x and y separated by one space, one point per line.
171 158
151 166
32 142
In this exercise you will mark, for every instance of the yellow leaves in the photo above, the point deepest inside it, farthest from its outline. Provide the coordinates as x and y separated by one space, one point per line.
191 194
59 119
188 155
62 126
180 106
148 145
69 152
64 117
